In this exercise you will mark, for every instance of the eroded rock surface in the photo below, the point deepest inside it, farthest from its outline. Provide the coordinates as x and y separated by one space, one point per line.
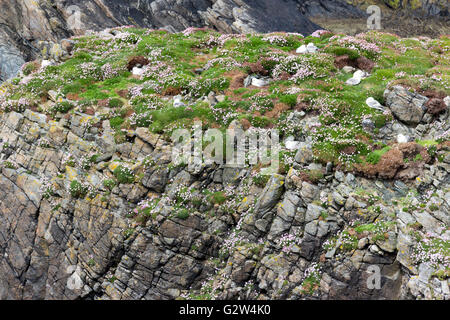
66 247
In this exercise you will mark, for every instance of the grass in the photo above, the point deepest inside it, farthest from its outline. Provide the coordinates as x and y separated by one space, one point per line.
375 156
148 101
124 174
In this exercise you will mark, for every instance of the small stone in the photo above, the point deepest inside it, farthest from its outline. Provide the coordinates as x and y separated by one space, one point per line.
427 118
53 95
375 250
329 167
362 243
304 154
368 125
339 175
67 45
447 101
292 145
212 98
220 98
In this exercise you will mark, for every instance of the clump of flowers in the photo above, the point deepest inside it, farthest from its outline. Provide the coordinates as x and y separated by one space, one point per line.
80 190
227 63
302 74
276 40
434 249
145 209
143 119
199 87
124 174
364 47
320 33
15 105
288 241
108 72
311 278
90 70
191 30
222 39
46 188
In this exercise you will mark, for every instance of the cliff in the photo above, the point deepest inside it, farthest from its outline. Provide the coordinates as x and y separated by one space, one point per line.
93 206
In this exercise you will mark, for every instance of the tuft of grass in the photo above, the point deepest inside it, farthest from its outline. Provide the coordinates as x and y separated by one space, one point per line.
375 156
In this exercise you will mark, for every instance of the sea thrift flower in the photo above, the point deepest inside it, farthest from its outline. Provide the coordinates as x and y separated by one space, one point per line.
319 33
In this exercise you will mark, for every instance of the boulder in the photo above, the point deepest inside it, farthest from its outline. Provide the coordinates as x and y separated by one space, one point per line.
10 62
407 106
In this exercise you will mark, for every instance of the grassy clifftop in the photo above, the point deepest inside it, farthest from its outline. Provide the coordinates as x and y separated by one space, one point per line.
131 76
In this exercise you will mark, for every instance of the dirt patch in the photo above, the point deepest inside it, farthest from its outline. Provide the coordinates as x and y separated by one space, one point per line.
403 161
171 91
362 63
431 94
349 150
245 124
122 93
137 61
103 103
277 110
204 58
256 68
389 163
435 106
237 79
365 64
73 96
89 111
342 61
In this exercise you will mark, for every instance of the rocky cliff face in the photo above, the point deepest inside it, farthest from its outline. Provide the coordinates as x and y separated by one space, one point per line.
262 242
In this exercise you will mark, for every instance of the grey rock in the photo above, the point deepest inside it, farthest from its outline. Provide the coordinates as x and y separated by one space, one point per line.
368 124
304 154
270 195
11 60
309 192
156 180
313 212
362 243
408 107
